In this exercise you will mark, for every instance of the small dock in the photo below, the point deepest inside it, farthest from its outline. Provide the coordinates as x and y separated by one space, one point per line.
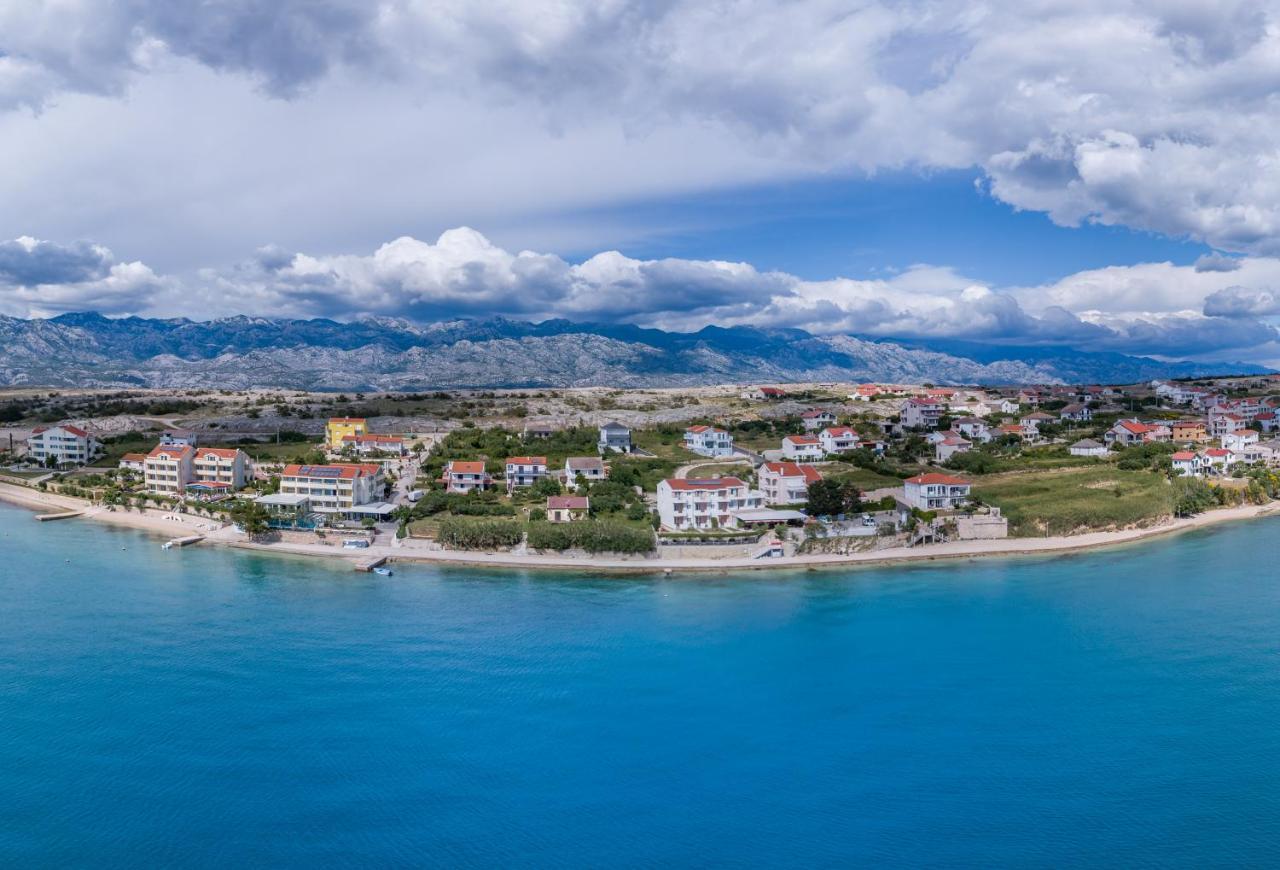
183 542
368 565
62 515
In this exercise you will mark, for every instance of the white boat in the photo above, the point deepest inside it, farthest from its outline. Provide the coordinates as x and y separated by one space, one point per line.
385 572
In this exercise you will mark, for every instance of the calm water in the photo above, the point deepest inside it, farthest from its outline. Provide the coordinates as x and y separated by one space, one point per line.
214 708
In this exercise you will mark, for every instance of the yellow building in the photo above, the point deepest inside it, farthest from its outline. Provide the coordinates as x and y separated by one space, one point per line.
341 427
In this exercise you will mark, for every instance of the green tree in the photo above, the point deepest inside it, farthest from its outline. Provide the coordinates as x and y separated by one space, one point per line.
251 517
831 497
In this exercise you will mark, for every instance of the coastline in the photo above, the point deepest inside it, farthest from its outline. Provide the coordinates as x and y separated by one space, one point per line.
161 523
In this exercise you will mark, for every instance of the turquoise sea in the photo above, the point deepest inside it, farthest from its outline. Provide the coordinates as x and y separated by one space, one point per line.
222 709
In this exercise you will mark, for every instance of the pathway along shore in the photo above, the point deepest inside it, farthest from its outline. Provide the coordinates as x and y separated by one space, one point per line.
409 550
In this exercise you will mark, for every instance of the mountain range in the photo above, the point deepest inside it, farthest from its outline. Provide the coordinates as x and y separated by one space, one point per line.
90 350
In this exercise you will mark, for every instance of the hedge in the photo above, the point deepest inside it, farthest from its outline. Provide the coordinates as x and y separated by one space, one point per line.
590 535
473 534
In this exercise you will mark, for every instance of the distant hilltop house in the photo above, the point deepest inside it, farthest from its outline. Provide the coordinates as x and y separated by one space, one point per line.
1128 432
365 444
64 445
535 429
921 413
704 504
1077 412
708 441
1087 447
764 393
817 418
949 446
179 438
786 482
614 438
340 427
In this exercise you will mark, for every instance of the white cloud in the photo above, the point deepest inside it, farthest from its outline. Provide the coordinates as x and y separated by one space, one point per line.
1157 115
1154 308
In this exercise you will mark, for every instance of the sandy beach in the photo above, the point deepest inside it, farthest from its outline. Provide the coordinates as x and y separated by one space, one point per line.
409 550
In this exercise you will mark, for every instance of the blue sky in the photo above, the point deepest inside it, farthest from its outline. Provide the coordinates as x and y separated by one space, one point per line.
1100 174
869 226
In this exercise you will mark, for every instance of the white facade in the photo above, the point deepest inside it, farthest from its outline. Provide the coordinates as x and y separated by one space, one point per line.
802 448
935 491
67 445
168 470
522 471
921 413
332 488
708 441
786 482
702 504
838 439
222 466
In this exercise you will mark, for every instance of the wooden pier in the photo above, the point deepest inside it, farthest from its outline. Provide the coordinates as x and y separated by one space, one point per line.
369 564
184 542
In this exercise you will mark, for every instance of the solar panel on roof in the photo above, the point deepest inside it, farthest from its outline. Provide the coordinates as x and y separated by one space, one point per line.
321 470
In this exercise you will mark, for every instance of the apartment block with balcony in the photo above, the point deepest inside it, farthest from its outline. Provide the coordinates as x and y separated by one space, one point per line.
704 504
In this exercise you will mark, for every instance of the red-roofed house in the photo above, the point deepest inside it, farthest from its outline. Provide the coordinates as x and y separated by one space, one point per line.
524 471
460 476
1136 432
817 418
168 470
802 448
786 482
838 439
65 445
367 443
935 491
133 462
228 467
703 504
1186 463
949 446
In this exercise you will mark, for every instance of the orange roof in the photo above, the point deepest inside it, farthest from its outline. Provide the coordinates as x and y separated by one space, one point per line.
526 460
373 438
347 420
220 452
1183 456
329 472
457 466
133 457
74 430
934 477
801 439
839 431
703 483
793 469
175 451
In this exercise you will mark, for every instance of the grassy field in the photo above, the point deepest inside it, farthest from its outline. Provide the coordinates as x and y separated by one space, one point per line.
721 469
863 478
1074 500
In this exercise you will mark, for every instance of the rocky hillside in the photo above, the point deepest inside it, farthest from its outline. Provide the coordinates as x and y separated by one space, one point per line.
90 350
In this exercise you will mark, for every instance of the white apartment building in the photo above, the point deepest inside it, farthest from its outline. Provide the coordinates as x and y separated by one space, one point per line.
168 470
802 448
462 476
919 413
222 468
838 439
588 468
786 482
708 441
703 504
66 444
934 491
364 444
334 488
817 418
522 471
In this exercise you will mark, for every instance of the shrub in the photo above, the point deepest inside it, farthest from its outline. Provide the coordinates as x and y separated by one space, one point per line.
479 534
590 535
